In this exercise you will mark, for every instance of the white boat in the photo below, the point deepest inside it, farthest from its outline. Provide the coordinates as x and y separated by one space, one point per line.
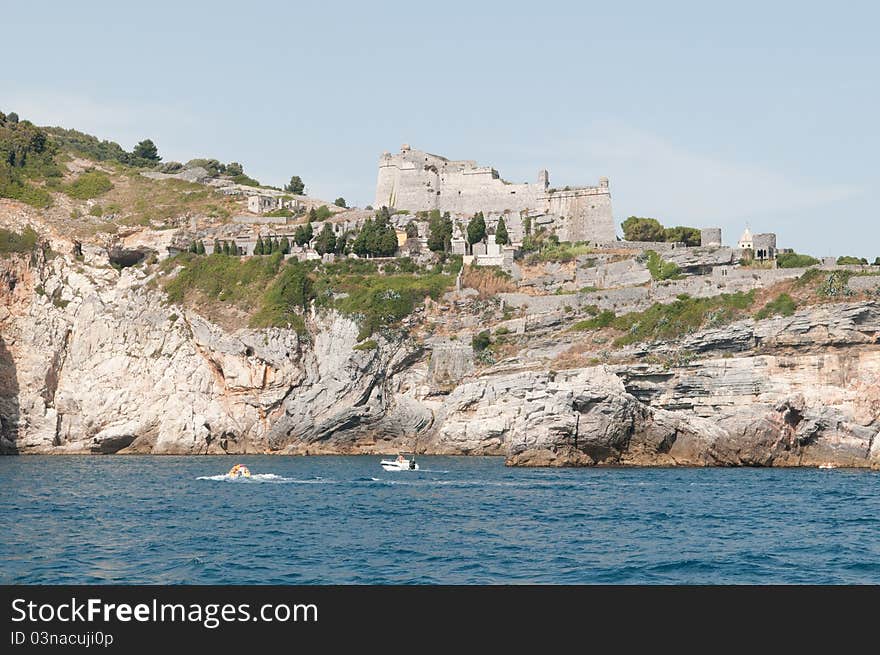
827 466
400 464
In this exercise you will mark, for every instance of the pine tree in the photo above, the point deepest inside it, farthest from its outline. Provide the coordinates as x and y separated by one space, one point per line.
501 237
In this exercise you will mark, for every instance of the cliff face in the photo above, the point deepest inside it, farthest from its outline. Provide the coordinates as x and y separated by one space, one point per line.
92 360
96 362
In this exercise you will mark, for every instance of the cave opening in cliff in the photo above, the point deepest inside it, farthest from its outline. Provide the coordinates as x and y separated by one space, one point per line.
122 258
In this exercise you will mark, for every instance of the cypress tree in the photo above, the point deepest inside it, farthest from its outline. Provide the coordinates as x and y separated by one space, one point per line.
217 248
476 229
501 237
285 246
258 249
200 249
226 249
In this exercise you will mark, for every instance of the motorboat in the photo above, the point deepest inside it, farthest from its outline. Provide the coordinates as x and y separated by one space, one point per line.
400 464
239 471
827 466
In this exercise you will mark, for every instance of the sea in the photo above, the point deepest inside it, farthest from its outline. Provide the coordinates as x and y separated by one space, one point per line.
458 520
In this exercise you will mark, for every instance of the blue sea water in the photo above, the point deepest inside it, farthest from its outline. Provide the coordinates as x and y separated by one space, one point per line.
173 520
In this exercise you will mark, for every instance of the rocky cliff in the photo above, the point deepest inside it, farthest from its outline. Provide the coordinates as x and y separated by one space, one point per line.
94 360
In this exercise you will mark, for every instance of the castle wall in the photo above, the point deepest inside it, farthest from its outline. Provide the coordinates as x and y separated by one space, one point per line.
588 214
419 181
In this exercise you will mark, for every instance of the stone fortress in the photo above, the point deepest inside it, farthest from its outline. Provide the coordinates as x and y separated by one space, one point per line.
419 181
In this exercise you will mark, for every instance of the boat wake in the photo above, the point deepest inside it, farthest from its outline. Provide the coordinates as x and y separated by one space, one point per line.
257 478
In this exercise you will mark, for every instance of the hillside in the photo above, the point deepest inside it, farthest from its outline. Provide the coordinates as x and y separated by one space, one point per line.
155 313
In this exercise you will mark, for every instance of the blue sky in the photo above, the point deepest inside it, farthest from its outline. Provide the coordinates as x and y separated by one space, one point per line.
758 112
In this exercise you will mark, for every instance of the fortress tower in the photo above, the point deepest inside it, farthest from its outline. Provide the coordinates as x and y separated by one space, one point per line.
419 181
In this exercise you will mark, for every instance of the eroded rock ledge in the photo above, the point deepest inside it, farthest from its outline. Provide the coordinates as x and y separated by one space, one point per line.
92 360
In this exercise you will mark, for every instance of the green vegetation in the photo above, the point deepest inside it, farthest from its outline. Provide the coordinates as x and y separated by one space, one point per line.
439 231
96 210
377 237
502 331
340 202
660 269
642 229
782 305
836 285
90 184
378 301
501 236
636 228
86 145
26 156
147 151
284 212
227 279
303 234
683 316
295 186
603 320
553 250
369 344
476 229
286 298
847 260
13 242
680 234
481 341
795 260
326 241
322 213
245 180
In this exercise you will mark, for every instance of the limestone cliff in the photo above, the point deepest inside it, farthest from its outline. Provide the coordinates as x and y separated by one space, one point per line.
94 360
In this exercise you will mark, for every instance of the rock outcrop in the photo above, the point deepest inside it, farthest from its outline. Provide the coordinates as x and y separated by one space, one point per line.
94 360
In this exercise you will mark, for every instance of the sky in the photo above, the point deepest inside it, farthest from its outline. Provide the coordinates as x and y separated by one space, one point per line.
759 114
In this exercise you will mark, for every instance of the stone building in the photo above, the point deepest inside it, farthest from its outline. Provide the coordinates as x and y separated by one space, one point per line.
419 181
710 237
764 246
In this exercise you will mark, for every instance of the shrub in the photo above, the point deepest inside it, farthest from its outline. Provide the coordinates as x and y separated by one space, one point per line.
287 296
96 210
369 344
13 242
603 320
681 317
221 278
795 260
481 341
90 184
847 260
782 305
661 270
376 301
